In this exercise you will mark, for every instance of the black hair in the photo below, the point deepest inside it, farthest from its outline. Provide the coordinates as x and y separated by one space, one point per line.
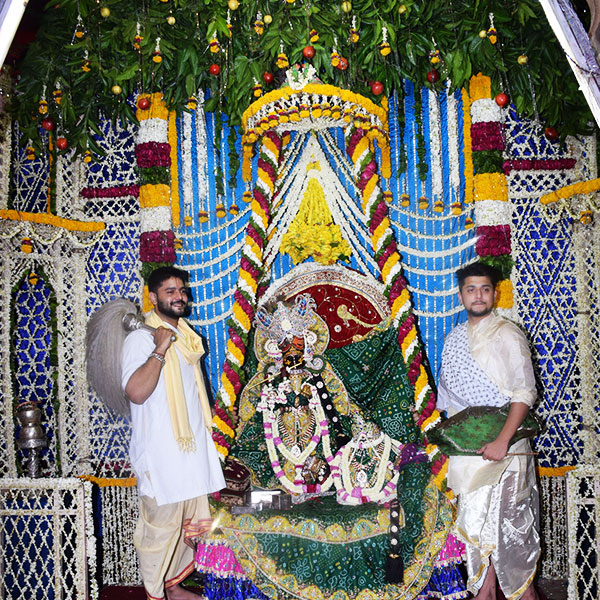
478 269
161 274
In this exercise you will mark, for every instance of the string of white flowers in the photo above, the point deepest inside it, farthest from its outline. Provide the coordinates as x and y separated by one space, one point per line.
153 130
453 144
492 212
90 540
155 218
437 253
341 159
435 142
284 180
36 231
434 272
186 178
485 110
438 313
438 218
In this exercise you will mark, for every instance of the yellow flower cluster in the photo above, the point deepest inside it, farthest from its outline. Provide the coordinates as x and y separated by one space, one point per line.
504 294
48 219
175 210
490 186
153 195
313 232
575 189
480 87
323 242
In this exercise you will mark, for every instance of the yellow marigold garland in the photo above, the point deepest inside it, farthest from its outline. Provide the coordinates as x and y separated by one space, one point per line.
575 189
480 87
48 219
490 186
154 194
468 149
504 297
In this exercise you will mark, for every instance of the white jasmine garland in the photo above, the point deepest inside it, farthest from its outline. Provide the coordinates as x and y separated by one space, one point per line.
153 130
486 110
492 212
435 141
155 218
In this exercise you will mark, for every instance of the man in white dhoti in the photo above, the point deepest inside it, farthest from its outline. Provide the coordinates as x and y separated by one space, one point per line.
486 362
172 452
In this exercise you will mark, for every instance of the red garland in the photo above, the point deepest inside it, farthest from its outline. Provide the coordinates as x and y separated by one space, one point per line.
157 246
153 154
554 164
111 192
487 136
493 240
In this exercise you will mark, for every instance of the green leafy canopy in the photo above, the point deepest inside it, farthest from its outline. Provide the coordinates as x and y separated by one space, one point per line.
414 29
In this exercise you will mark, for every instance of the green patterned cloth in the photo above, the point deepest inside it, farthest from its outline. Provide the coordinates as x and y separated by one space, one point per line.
375 385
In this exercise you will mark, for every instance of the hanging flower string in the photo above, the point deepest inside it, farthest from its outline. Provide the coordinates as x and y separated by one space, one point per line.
374 206
490 186
154 160
247 291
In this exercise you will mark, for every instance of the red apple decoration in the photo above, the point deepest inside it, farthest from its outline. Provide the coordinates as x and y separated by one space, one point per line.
343 64
144 103
48 124
377 88
551 133
61 143
433 76
268 77
502 99
308 52
214 69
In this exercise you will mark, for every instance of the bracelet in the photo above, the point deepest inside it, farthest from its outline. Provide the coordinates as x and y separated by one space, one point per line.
159 357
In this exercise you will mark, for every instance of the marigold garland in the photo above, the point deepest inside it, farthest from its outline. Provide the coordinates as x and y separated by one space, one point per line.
48 219
175 209
575 189
490 186
504 294
468 156
154 195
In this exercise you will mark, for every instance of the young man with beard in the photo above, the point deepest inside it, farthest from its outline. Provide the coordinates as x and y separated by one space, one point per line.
486 362
171 451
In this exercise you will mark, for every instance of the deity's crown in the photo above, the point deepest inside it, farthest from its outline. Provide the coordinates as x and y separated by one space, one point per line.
288 322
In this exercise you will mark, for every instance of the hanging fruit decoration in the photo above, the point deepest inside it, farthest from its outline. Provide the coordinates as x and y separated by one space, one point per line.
502 99
48 124
105 12
62 143
233 4
171 20
268 19
551 133
214 69
116 89
308 52
433 76
268 77
523 59
377 88
346 6
143 103
402 9
343 65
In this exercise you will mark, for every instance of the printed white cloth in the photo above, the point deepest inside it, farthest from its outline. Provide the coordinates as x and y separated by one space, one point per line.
489 364
163 471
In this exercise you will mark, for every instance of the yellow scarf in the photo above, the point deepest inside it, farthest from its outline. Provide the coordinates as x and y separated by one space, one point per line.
191 348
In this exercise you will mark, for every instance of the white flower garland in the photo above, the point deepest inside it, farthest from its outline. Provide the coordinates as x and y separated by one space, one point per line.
153 130
155 218
492 212
485 110
435 141
453 145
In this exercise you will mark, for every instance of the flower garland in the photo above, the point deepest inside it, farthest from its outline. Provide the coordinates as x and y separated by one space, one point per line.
490 187
374 206
154 154
48 219
328 105
247 290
